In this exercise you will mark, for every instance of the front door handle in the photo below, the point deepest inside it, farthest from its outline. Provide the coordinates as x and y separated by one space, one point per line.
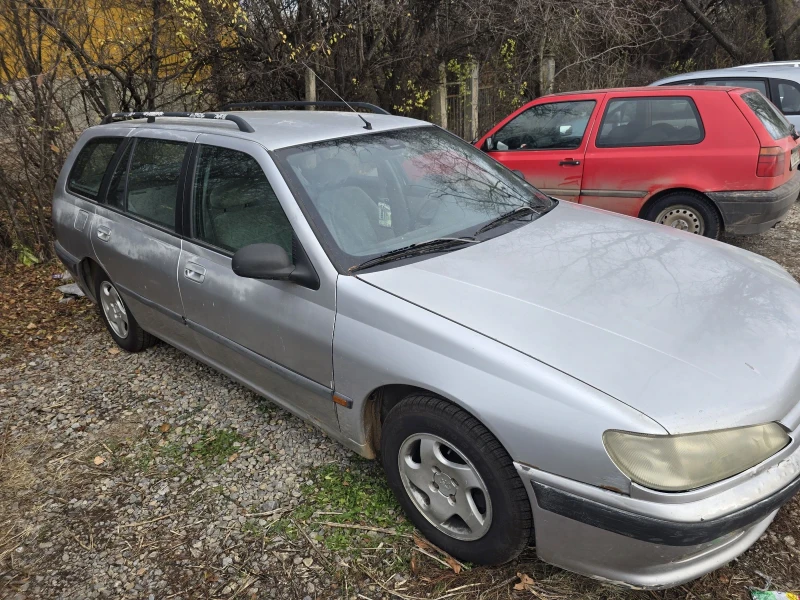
103 234
569 162
194 272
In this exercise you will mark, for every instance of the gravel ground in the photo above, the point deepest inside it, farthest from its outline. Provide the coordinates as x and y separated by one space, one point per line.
152 476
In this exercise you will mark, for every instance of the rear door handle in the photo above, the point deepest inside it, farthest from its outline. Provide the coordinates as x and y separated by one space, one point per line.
103 234
569 162
194 272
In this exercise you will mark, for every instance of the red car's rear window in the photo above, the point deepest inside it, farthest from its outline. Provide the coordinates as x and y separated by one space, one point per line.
771 118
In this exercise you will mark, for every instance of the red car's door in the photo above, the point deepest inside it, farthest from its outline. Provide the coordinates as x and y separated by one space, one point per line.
546 141
645 142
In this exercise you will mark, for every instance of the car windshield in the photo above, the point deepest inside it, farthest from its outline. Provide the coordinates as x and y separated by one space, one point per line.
370 194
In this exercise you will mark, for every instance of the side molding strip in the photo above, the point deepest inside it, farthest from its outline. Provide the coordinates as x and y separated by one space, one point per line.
149 303
296 378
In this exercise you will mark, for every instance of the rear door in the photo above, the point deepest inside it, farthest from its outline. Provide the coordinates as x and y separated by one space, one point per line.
135 234
546 141
642 144
275 336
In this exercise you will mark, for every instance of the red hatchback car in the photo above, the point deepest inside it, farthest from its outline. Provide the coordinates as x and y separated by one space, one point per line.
701 159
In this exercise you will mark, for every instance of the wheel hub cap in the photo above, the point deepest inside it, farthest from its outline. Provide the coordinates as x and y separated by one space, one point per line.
114 309
445 486
682 217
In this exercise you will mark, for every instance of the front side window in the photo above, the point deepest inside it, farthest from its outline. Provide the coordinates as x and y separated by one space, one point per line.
650 122
234 204
152 188
90 166
771 118
558 125
370 194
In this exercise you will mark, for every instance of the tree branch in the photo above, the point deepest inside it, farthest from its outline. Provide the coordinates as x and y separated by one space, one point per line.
720 37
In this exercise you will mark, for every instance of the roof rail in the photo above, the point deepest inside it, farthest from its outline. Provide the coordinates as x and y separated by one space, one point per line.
151 117
302 103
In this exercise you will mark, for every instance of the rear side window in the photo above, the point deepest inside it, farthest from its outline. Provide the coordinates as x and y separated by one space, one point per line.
546 127
787 97
756 84
234 204
90 166
152 187
667 121
771 118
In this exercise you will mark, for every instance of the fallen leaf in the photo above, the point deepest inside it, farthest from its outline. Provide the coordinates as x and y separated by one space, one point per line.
308 561
233 457
414 565
454 564
55 148
523 581
164 427
113 350
141 571
99 460
31 325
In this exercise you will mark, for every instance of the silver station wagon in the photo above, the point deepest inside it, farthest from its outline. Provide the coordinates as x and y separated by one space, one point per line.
622 394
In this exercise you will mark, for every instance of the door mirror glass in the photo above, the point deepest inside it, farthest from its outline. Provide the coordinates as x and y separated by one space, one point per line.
488 145
262 261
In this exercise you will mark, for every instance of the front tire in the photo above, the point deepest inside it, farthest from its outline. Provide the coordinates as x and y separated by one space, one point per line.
687 211
118 318
455 481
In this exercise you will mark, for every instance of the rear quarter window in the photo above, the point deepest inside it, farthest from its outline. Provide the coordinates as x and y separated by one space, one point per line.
771 118
90 166
667 121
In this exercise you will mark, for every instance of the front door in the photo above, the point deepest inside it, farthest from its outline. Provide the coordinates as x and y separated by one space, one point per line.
274 336
546 142
134 233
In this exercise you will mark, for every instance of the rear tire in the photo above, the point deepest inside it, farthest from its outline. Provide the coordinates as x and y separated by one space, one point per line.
439 460
118 318
687 211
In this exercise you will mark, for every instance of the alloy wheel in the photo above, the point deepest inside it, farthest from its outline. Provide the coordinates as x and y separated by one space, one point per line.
114 309
445 486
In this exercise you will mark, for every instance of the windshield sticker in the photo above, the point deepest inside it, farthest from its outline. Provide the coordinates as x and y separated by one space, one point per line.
384 214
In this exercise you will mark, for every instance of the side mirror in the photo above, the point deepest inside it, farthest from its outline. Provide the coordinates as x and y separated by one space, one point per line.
795 135
488 144
262 261
270 261
518 173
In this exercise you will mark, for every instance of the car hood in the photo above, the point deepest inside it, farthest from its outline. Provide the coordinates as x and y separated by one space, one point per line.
694 333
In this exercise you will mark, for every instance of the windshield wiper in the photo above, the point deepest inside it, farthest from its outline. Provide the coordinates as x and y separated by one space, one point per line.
434 245
505 217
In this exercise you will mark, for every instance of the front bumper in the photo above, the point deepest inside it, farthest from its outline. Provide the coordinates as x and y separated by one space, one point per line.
749 212
656 540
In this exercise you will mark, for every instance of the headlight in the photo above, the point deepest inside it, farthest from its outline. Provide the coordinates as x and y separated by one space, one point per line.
673 463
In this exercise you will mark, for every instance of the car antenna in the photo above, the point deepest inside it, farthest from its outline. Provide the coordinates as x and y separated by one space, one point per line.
367 124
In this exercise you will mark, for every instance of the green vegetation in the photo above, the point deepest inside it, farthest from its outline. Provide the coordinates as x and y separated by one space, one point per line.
355 495
215 446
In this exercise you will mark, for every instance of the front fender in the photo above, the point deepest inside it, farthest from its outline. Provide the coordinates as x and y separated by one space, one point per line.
542 416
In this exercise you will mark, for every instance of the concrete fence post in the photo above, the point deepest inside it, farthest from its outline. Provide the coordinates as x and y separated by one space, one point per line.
547 74
439 99
471 103
311 87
